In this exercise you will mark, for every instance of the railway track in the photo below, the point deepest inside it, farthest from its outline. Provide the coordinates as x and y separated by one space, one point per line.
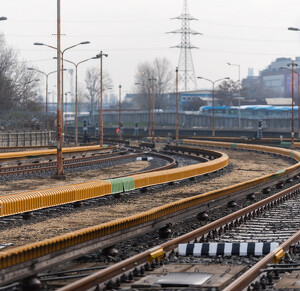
160 220
158 267
37 165
77 162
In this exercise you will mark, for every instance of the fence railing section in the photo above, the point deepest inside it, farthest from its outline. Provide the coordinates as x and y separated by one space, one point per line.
34 138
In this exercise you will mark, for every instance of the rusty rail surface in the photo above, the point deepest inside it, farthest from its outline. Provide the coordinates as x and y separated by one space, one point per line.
104 275
77 242
244 280
50 152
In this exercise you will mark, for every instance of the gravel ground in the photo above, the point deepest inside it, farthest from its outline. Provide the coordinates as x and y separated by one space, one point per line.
55 221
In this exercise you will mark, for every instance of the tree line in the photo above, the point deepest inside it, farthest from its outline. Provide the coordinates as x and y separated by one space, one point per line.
18 86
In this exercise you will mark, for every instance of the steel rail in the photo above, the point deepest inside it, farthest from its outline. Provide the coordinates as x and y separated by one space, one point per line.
193 150
19 169
104 275
244 280
113 232
51 152
23 261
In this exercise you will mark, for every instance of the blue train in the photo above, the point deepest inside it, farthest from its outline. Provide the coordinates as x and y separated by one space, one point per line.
250 111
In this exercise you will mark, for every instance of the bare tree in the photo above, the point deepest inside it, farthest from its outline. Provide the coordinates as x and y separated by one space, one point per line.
18 86
92 80
157 75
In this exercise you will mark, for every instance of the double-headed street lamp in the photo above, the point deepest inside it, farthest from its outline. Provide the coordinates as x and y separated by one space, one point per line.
213 99
62 60
76 93
59 138
100 56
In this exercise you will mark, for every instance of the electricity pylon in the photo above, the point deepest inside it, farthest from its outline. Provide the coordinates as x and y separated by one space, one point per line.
186 72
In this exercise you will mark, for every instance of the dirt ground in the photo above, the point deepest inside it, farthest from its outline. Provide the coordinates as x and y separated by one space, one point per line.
244 166
23 185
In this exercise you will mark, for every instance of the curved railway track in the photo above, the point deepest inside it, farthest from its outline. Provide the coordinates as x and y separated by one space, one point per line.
76 162
138 224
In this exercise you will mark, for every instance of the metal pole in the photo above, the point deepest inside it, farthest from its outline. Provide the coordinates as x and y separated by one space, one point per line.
239 96
62 95
47 101
149 114
298 108
120 112
292 127
152 110
76 107
213 99
177 121
59 164
101 103
66 112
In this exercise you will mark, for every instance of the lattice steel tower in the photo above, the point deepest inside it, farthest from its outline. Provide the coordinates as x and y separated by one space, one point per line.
186 73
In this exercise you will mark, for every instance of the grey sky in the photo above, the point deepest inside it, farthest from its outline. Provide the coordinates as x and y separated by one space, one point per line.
251 33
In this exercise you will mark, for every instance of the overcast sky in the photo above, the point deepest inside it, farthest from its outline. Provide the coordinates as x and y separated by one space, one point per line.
250 33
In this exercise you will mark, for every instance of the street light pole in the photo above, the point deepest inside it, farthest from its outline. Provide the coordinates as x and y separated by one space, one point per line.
297 29
292 64
59 163
229 64
152 80
46 96
177 121
101 99
76 93
213 100
61 53
120 131
298 96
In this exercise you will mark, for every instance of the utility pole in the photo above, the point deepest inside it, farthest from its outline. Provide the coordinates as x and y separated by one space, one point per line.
101 99
120 124
177 122
292 64
152 80
59 163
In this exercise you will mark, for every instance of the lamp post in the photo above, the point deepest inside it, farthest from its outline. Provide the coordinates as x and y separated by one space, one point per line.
76 93
177 121
59 140
62 64
149 107
213 99
120 130
292 64
46 96
152 80
229 64
100 56
297 29
282 68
